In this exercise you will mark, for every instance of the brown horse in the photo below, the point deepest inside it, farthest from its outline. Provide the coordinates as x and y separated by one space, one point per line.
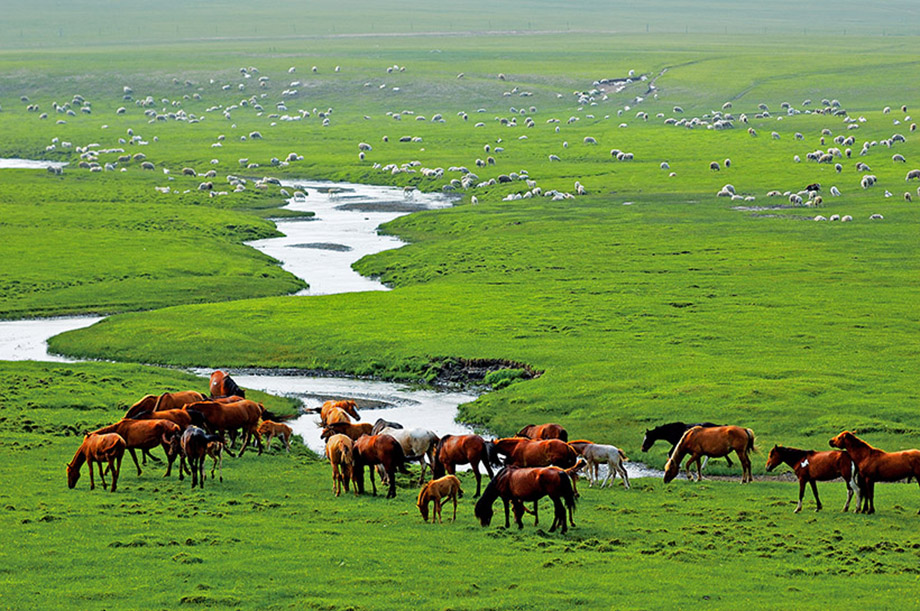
146 435
340 452
520 485
146 404
222 385
716 441
347 405
523 452
343 428
455 450
383 450
223 417
876 465
439 491
544 431
108 448
520 509
335 415
182 417
275 429
811 467
176 400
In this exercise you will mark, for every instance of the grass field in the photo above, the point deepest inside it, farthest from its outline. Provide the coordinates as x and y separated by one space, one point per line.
646 300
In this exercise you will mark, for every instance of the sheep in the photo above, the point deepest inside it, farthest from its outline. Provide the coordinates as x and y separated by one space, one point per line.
554 158
846 218
898 158
820 218
907 196
867 181
147 166
876 217
590 140
838 168
714 165
796 159
913 174
795 199
189 172
817 201
206 186
364 146
665 166
834 217
835 191
255 136
728 163
774 135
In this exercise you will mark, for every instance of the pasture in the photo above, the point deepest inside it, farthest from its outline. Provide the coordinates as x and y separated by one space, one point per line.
647 299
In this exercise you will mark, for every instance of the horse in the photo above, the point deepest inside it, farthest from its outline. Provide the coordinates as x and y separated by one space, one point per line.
222 385
146 435
439 491
876 465
455 450
195 443
714 441
222 417
184 418
176 400
596 454
354 431
373 450
672 432
417 444
544 431
334 416
275 429
384 424
811 467
519 485
146 404
108 448
347 405
216 451
523 452
340 452
520 509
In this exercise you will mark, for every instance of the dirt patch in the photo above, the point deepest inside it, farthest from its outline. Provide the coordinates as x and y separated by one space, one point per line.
473 372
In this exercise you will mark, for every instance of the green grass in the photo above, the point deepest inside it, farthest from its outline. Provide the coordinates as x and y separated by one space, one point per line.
673 307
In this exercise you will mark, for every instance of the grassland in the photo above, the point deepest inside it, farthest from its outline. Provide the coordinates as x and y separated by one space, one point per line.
676 306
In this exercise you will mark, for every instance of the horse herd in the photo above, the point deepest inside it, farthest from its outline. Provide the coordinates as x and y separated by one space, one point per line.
539 461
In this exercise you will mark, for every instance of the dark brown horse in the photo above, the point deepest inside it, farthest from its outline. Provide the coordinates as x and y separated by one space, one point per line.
373 450
223 417
146 435
811 467
520 485
876 465
714 441
222 385
195 449
107 448
523 452
544 431
455 450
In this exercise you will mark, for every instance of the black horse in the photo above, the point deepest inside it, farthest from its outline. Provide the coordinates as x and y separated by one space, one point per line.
672 432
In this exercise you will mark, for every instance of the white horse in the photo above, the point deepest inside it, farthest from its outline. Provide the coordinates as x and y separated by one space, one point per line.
417 444
596 454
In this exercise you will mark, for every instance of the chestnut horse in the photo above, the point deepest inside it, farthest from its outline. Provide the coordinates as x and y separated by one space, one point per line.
335 415
107 448
672 432
716 441
544 431
439 491
456 450
183 418
373 450
275 429
343 428
347 406
176 400
876 465
811 467
523 452
223 417
340 452
519 485
146 435
222 385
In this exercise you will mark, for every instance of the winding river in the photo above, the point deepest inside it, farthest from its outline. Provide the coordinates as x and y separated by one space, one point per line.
320 250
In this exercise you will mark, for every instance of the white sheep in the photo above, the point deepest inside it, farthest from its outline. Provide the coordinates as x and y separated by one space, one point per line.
554 158
913 174
876 217
846 218
835 191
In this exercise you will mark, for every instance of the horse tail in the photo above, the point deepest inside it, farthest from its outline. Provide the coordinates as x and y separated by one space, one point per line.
437 467
564 435
622 455
568 492
399 459
750 443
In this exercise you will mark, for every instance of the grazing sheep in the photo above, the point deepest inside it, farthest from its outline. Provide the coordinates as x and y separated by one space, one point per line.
907 196
728 163
775 135
147 166
189 172
817 201
206 186
590 140
835 191
554 158
898 158
913 174
714 165
795 199
876 217
846 218
838 167
834 217
820 218
796 159
255 136
665 166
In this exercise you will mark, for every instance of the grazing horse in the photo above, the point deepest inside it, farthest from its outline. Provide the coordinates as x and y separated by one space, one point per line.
222 385
523 452
222 417
195 443
384 424
352 430
876 465
456 450
146 435
811 467
439 491
417 444
340 452
596 454
672 432
184 418
275 429
373 450
544 431
519 485
716 441
176 400
107 448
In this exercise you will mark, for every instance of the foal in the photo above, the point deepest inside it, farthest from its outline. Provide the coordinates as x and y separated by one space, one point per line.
439 491
811 467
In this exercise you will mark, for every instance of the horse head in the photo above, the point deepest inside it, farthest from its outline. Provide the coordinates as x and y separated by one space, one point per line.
774 458
671 469
647 441
842 440
73 475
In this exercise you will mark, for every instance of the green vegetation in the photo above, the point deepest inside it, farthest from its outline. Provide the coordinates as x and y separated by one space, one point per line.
647 300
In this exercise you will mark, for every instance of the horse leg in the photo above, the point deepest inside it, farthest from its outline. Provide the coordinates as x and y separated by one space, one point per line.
814 490
287 443
391 474
247 434
136 464
536 514
560 517
705 462
870 486
373 484
115 468
516 518
422 464
798 507
92 483
475 466
454 497
146 453
746 475
102 476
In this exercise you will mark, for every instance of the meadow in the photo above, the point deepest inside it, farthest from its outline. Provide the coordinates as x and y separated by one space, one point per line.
646 300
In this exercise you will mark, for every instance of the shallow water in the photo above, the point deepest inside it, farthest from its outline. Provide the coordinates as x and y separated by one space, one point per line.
10 163
27 340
